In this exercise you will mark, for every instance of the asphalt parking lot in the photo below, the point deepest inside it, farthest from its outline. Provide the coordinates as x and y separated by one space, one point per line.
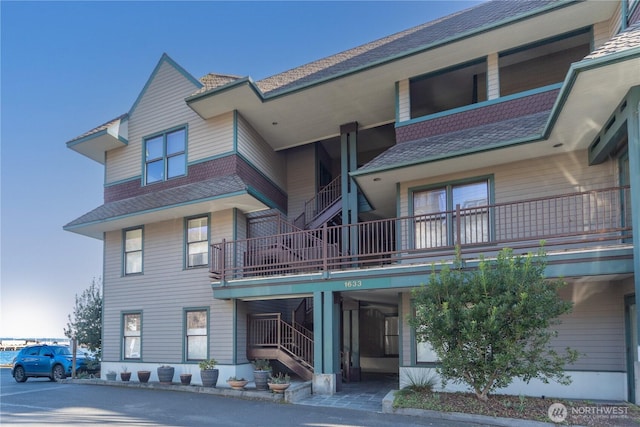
39 402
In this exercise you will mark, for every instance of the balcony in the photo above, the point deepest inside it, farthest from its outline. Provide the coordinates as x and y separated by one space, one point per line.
576 221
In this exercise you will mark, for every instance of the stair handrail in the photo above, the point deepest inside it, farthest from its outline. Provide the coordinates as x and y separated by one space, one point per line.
324 198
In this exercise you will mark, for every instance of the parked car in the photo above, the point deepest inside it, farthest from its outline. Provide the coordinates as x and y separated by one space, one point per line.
52 361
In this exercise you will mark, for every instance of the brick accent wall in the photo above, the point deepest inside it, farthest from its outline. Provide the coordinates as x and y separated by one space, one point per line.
479 116
223 166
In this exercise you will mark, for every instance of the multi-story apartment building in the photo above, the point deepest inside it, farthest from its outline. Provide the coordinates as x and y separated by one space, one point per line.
289 218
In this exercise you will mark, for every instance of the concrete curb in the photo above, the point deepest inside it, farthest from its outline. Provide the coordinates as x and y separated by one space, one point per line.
294 393
387 408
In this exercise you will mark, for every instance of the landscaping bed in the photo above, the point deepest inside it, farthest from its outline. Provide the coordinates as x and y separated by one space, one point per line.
580 412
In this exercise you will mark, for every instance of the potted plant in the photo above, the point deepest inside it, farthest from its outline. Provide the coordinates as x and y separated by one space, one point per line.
143 376
125 375
111 376
261 372
208 372
237 383
185 379
279 383
165 374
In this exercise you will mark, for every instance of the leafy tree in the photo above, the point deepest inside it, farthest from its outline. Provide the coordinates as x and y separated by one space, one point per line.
85 323
492 324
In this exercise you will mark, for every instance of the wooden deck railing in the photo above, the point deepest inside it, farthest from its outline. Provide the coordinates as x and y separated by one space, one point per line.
575 220
268 330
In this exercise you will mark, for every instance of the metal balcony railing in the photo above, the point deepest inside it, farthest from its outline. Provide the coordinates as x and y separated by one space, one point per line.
576 220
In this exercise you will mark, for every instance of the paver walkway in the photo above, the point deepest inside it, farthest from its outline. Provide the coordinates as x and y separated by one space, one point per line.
365 395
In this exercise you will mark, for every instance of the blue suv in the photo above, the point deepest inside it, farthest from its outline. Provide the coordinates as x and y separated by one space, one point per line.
52 361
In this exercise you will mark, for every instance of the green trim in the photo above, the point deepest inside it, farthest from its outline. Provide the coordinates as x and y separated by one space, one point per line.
165 156
235 131
629 300
594 262
164 58
448 187
397 106
462 153
610 135
95 135
449 69
123 271
572 75
318 332
208 199
122 315
186 310
401 321
481 104
259 171
122 181
542 42
185 241
234 338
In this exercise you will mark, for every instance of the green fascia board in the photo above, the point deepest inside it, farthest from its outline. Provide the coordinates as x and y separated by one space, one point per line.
243 81
479 105
514 142
164 58
392 58
75 142
574 71
571 264
206 199
565 90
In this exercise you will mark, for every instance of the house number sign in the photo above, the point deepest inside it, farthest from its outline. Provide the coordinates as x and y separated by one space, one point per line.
353 283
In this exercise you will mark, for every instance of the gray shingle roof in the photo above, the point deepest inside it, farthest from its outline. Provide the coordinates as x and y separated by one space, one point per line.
453 143
422 36
627 39
198 191
99 128
213 80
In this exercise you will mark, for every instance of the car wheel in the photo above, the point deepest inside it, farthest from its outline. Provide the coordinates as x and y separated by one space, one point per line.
58 373
19 375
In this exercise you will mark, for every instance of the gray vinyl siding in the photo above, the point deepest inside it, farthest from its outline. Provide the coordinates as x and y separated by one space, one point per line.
253 147
162 107
162 292
540 177
301 178
595 328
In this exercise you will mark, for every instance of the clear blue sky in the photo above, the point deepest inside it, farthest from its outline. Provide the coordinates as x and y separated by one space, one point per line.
67 67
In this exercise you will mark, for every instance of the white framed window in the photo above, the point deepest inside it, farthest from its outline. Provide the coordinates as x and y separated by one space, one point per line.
133 251
131 335
197 246
165 155
196 338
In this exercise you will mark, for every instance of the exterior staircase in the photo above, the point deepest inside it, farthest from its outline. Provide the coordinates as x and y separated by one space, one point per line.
270 337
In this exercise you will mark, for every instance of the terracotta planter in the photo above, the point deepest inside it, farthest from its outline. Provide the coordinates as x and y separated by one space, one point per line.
125 376
278 388
143 376
165 374
237 384
185 379
209 377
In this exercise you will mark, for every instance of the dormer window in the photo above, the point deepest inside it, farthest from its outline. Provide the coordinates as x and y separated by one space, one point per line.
165 155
